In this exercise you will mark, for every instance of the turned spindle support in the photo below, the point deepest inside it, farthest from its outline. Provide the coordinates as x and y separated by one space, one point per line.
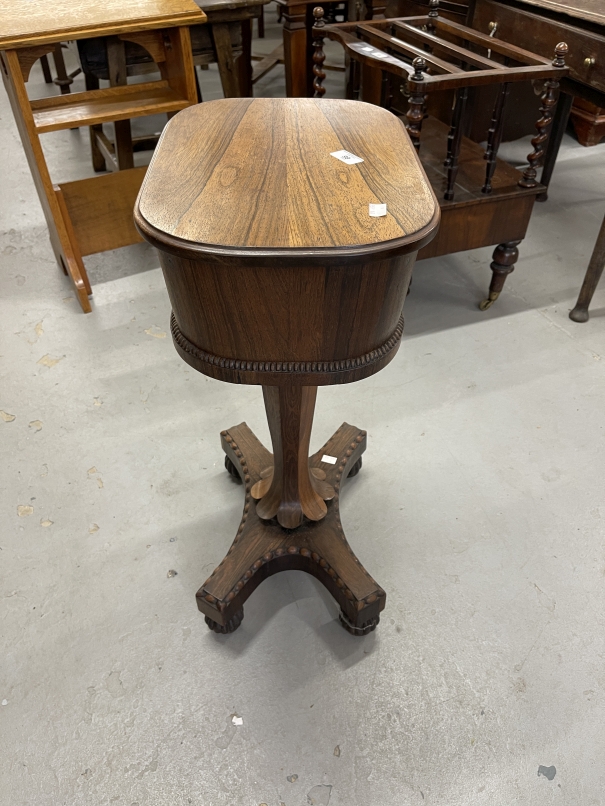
417 100
319 56
433 16
543 124
494 137
454 141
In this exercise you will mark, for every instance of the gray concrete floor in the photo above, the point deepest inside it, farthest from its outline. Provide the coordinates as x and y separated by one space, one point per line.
480 509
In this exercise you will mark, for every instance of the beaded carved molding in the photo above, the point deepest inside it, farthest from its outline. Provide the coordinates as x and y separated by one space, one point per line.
319 367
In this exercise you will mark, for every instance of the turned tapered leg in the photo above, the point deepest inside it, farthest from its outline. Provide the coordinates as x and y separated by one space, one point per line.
503 263
591 280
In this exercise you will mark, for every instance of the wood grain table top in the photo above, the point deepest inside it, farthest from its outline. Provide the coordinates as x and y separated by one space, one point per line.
590 10
258 174
25 23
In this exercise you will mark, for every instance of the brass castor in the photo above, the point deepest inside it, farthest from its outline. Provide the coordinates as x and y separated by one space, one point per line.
230 626
485 304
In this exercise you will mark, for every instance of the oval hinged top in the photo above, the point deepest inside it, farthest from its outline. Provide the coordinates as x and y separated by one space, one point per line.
258 175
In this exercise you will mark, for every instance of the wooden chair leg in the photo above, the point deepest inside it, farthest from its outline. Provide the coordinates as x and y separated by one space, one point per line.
591 280
225 60
63 81
261 23
116 60
46 69
503 263
98 160
198 86
244 62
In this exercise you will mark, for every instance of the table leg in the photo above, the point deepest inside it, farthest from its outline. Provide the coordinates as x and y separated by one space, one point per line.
224 56
296 56
557 131
116 62
244 63
46 69
63 80
65 247
263 545
503 263
591 280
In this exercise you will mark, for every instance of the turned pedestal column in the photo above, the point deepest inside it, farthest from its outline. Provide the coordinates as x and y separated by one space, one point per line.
278 275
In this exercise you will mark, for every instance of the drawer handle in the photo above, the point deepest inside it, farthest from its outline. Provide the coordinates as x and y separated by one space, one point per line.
493 27
590 61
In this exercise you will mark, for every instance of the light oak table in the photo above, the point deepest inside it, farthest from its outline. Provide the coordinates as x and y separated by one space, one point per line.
279 276
93 215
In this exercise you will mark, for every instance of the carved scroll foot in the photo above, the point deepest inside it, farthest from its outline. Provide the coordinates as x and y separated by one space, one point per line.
263 547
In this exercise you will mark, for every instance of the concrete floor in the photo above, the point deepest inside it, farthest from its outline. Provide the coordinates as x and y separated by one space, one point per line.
480 509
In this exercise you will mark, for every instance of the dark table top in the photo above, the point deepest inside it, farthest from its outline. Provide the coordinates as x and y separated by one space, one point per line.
590 10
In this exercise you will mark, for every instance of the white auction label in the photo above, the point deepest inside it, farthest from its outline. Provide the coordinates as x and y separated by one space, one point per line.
378 210
331 460
346 156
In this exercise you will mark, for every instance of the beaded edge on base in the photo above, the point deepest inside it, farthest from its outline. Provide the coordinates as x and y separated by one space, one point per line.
319 367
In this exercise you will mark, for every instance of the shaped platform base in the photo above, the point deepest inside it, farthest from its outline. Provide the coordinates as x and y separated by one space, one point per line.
263 547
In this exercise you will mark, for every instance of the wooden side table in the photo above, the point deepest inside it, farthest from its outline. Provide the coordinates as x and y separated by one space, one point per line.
223 15
93 215
278 275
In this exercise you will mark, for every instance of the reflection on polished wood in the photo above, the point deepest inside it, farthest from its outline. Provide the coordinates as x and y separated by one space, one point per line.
250 151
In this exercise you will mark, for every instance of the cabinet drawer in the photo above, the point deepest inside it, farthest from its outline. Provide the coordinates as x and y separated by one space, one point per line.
540 35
